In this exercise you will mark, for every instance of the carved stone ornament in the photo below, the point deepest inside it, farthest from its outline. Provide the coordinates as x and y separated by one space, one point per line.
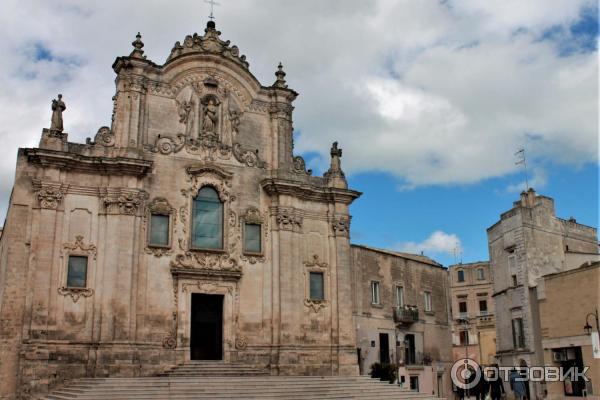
315 262
241 342
80 247
210 43
341 226
288 219
105 137
205 261
75 293
299 166
128 203
169 342
208 147
50 197
159 205
315 305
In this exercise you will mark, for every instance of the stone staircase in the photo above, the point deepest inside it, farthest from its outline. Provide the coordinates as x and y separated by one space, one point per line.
226 381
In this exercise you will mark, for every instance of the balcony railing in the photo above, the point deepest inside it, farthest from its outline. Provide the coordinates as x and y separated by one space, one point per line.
485 320
406 314
416 358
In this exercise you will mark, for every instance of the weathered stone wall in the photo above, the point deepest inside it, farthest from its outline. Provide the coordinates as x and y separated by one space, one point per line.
415 274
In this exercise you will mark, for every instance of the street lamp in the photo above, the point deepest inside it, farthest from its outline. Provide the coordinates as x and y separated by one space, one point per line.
588 328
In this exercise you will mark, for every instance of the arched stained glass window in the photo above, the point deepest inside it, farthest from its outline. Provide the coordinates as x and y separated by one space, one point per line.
207 220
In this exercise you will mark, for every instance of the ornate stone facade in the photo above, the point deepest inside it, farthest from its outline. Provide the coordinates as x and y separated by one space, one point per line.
199 120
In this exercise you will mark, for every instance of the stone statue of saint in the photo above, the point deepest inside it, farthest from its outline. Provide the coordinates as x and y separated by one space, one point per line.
186 114
58 106
209 121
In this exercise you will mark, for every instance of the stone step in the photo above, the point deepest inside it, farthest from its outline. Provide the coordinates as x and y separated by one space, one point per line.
222 388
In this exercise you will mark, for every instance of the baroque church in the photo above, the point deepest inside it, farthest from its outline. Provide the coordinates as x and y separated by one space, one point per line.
187 230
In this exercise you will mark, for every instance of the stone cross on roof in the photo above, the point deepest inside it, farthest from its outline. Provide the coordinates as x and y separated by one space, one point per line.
212 8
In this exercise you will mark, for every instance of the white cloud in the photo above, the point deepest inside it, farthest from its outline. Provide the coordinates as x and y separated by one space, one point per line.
433 92
438 242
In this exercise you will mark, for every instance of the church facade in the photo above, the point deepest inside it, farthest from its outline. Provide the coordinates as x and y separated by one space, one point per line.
187 230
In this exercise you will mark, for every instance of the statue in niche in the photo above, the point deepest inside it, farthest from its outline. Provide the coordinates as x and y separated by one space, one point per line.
186 114
209 122
58 106
231 122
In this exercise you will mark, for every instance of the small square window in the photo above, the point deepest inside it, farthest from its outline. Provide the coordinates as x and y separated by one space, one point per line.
317 287
77 272
159 230
252 238
375 292
460 276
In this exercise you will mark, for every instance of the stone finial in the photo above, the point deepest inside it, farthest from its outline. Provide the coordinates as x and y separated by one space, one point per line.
138 46
280 74
335 173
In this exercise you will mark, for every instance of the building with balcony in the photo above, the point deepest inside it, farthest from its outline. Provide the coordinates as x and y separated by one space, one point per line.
472 309
528 242
401 316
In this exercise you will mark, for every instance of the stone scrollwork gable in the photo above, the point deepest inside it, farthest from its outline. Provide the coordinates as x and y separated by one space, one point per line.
209 43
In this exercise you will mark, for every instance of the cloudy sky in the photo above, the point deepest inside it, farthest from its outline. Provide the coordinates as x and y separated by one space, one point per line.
429 99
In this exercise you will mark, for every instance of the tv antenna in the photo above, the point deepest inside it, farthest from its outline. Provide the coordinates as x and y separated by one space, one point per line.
522 160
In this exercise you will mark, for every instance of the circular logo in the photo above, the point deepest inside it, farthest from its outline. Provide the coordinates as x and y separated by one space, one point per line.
465 373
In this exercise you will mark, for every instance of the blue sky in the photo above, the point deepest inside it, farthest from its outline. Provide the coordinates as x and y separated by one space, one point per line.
428 99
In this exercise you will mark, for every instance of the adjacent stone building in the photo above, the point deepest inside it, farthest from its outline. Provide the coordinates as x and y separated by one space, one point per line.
567 302
401 312
186 229
472 305
529 241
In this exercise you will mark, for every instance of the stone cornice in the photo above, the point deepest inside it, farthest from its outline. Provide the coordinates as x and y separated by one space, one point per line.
309 192
98 165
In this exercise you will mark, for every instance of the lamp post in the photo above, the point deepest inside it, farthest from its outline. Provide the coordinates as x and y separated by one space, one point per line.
588 328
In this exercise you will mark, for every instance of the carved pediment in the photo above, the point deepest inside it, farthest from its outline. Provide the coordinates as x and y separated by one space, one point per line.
209 43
